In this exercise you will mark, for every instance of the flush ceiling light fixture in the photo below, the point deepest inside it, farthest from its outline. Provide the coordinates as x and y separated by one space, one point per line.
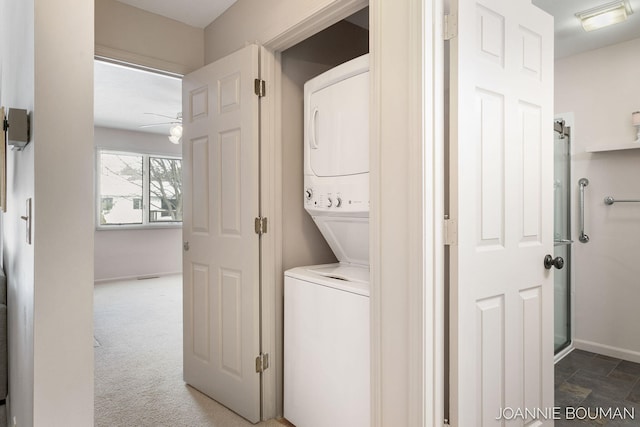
604 15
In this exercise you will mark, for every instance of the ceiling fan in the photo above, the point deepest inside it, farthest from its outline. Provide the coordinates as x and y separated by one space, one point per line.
175 131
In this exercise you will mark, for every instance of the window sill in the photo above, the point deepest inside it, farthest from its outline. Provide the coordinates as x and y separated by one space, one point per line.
138 227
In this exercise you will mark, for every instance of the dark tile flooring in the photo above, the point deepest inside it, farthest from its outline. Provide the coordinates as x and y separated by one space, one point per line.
588 380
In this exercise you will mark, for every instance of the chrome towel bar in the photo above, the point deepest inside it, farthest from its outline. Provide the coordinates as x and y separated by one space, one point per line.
583 236
610 200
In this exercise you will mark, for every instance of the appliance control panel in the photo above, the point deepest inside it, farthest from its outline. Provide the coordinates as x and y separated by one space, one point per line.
349 194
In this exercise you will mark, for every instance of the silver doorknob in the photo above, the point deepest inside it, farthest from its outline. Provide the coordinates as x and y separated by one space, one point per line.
185 246
556 262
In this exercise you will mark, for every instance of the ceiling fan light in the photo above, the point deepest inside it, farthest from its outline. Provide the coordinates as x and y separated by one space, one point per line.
605 15
175 134
176 131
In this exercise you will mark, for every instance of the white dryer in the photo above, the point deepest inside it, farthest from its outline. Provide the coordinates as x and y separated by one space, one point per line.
326 323
336 158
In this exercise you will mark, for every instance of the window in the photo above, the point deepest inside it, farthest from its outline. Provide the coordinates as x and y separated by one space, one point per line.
165 189
138 189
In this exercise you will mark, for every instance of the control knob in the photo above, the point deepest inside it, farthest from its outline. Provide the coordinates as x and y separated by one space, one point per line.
308 193
329 202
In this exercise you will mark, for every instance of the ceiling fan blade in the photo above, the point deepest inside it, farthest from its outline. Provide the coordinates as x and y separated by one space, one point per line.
163 115
158 124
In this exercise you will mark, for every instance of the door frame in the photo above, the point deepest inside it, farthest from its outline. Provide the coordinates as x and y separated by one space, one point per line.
406 227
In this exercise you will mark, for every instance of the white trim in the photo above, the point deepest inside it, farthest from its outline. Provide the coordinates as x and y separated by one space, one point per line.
314 22
435 301
149 153
148 226
271 242
402 231
140 226
563 353
607 350
135 60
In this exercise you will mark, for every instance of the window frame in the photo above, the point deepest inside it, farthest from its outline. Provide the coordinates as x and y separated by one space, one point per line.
146 193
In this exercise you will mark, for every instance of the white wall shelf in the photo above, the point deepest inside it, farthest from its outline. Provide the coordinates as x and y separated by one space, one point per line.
616 147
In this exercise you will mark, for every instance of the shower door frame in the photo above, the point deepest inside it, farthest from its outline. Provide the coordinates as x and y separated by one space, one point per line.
573 197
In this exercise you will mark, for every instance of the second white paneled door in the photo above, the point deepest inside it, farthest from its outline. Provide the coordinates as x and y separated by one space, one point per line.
501 198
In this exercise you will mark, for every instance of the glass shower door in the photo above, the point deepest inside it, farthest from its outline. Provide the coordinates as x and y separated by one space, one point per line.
562 236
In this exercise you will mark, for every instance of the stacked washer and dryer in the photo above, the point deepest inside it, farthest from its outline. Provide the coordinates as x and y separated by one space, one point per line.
326 307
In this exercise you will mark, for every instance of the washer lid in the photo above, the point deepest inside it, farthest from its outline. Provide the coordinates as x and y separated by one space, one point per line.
346 278
346 272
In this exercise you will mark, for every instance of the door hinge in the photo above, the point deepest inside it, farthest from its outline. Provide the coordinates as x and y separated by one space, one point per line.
260 87
261 225
450 231
262 362
450 26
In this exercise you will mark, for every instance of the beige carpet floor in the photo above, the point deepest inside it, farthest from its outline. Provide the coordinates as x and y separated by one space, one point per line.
138 360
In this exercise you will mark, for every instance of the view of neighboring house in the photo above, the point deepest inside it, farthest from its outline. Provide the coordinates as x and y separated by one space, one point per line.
139 189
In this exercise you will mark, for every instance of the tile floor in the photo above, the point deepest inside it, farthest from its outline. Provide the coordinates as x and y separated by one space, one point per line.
589 380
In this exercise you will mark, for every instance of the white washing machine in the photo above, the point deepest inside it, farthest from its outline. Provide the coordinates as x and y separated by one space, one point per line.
326 348
326 307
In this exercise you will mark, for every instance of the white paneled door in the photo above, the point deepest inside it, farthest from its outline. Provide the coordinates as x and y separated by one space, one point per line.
221 253
501 342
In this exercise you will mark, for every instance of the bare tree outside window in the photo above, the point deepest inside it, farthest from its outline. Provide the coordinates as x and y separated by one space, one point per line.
165 189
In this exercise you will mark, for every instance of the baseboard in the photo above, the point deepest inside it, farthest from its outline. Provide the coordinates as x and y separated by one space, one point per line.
563 353
136 277
607 350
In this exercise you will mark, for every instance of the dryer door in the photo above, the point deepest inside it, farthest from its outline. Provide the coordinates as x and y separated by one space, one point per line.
337 131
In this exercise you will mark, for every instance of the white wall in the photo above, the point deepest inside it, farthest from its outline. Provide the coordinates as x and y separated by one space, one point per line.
63 197
133 35
142 252
602 89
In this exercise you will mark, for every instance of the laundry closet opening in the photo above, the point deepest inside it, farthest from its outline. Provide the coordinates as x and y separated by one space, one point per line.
318 164
302 243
